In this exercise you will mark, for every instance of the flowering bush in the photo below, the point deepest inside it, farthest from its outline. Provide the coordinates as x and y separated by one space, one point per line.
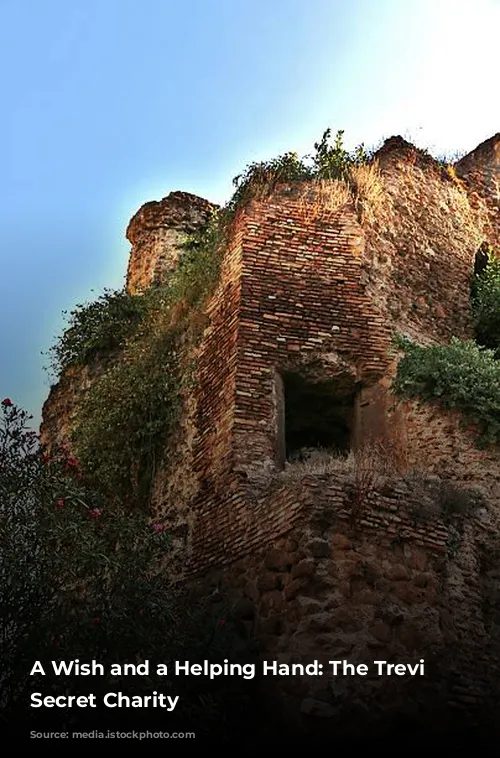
81 578
66 558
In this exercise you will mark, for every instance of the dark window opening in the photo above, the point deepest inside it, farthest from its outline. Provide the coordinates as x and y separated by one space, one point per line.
317 415
481 258
481 261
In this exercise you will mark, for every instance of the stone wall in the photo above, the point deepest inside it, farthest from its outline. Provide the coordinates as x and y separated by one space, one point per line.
436 441
60 408
157 232
387 585
420 246
480 173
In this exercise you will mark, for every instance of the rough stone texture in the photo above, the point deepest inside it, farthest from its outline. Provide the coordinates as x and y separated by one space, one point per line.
480 171
420 246
61 406
157 232
391 589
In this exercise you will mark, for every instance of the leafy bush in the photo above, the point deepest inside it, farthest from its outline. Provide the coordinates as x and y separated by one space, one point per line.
260 177
328 162
486 302
334 161
78 577
96 327
83 578
460 375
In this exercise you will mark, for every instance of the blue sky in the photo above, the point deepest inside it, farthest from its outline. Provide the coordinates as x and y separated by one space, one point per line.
107 104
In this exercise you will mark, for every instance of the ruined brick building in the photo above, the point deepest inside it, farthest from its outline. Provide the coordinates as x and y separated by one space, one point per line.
322 562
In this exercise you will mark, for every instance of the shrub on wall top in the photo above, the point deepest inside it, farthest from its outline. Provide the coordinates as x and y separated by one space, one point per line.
461 375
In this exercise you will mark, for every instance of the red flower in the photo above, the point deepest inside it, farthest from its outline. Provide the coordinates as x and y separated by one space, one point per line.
72 462
60 503
7 402
222 622
159 528
46 458
94 513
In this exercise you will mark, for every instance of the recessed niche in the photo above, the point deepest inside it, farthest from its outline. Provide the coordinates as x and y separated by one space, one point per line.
315 415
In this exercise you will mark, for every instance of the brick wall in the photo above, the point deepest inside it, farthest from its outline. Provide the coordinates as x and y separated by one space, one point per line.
320 293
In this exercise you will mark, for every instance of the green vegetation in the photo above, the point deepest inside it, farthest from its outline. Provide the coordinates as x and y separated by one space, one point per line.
83 577
464 374
96 328
461 375
128 414
329 161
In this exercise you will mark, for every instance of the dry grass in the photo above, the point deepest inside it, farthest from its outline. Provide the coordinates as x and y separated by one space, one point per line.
363 472
374 462
379 465
318 463
323 199
367 189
